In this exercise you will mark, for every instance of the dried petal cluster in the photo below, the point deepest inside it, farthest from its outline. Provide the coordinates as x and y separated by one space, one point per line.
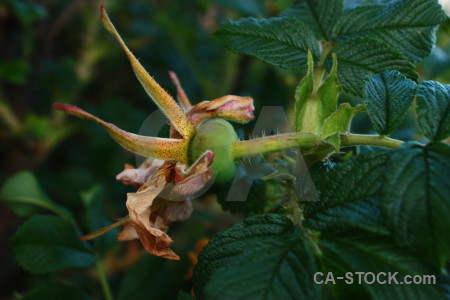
150 213
165 182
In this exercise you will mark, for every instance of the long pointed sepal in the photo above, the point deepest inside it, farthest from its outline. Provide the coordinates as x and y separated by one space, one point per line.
164 101
167 149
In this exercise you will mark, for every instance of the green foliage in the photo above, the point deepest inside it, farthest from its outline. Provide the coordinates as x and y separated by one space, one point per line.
379 209
25 197
95 218
320 15
283 42
339 121
149 277
433 106
388 97
57 291
264 257
408 26
416 202
366 253
364 56
348 198
49 243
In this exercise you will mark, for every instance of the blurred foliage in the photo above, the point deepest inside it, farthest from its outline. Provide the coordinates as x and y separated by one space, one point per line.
57 51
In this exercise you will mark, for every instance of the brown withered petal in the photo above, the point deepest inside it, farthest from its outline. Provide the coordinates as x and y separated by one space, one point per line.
195 178
142 174
154 240
150 214
233 108
128 233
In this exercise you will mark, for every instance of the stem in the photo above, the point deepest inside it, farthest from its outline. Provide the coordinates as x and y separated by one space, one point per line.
305 140
104 282
369 140
273 143
104 230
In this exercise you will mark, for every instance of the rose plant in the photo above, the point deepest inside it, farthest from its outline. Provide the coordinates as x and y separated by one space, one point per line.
383 202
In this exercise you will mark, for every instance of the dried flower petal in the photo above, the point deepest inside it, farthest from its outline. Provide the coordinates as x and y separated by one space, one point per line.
139 176
232 108
196 177
154 240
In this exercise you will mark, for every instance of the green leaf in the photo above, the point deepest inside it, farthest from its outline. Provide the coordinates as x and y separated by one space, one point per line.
388 97
95 218
433 110
149 277
320 15
56 290
182 295
15 71
353 235
25 197
49 243
408 26
264 257
339 121
282 42
368 253
363 56
348 196
416 199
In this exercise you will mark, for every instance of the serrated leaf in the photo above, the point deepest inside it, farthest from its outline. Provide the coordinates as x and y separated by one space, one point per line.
320 15
416 199
408 26
351 4
363 56
348 196
25 197
281 41
49 243
264 257
433 110
380 256
339 121
353 235
388 97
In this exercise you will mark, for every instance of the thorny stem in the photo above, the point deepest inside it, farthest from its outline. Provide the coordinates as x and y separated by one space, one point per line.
369 140
103 280
273 143
305 140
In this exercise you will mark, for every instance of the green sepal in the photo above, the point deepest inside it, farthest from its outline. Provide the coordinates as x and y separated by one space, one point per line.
303 94
339 122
